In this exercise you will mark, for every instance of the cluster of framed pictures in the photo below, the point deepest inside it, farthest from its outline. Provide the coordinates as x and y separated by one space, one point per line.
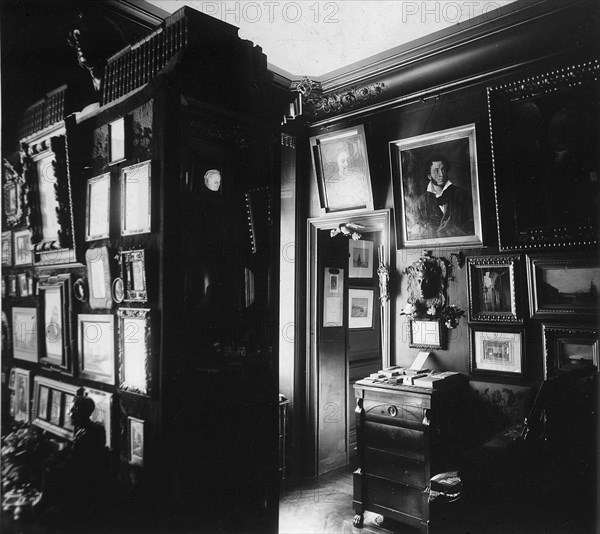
136 198
361 300
16 248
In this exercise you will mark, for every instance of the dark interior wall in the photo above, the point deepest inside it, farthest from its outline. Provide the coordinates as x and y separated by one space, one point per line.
440 110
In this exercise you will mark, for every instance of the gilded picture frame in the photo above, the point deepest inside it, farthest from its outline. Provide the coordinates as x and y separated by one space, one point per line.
135 350
136 199
569 346
133 274
99 278
97 209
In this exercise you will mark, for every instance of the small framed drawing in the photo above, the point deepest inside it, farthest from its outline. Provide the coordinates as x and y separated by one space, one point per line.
136 441
136 208
56 311
52 405
342 168
22 394
497 350
22 282
116 131
563 287
567 347
494 283
11 379
25 334
22 247
102 412
98 268
135 350
97 209
96 344
436 189
7 259
427 334
13 287
360 308
360 259
133 273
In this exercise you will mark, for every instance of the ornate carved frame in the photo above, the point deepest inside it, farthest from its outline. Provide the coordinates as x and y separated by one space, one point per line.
134 327
13 181
555 334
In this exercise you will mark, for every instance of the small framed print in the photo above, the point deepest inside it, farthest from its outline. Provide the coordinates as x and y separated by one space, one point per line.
14 200
52 406
13 286
22 247
135 350
25 334
360 308
136 207
96 344
133 273
22 282
494 288
99 280
497 350
56 313
7 259
360 259
563 287
427 334
22 394
569 346
342 169
117 140
333 297
11 379
102 413
136 441
97 210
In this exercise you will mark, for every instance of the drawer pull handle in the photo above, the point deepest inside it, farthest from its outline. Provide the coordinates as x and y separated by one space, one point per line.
393 411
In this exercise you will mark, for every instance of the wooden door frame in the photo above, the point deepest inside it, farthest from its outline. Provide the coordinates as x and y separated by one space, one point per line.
373 221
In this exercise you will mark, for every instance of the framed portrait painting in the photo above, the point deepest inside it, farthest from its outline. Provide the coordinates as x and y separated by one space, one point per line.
563 287
546 160
497 350
436 189
342 169
360 308
569 346
494 283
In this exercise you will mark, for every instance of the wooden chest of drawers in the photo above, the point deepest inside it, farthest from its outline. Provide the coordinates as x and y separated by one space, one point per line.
405 435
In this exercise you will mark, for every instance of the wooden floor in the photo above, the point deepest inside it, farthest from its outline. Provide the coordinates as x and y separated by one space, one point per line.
324 506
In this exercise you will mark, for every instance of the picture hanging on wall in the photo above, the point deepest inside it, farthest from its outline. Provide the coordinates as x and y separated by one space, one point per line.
569 347
135 351
99 279
136 441
52 405
22 247
25 334
136 207
22 394
436 189
7 259
342 168
427 334
360 308
360 259
14 200
97 212
133 274
102 413
96 343
497 350
545 139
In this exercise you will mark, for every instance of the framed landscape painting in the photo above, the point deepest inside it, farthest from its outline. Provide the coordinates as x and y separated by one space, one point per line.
568 347
436 189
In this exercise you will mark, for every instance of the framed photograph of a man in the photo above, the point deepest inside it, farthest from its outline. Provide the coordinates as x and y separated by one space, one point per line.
342 169
436 189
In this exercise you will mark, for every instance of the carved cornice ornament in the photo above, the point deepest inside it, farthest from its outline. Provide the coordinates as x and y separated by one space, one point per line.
345 100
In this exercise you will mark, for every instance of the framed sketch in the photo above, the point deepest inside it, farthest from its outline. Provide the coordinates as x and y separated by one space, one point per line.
13 196
497 350
99 279
56 314
135 350
342 169
333 297
96 344
427 334
22 247
136 441
116 131
25 334
561 287
360 308
23 283
52 405
569 346
133 274
494 288
97 209
360 259
13 286
11 379
136 207
436 189
7 259
102 412
50 218
22 394
544 132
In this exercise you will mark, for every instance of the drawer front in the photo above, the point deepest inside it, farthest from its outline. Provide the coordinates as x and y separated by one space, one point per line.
394 467
393 495
397 409
398 440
